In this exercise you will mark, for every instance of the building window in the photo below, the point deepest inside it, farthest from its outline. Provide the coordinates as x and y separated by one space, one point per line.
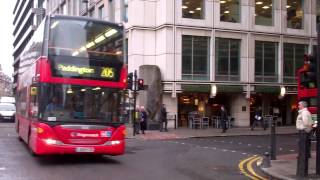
91 12
318 12
266 61
227 59
111 10
264 12
195 57
192 9
75 7
293 55
101 12
295 14
230 11
125 18
69 7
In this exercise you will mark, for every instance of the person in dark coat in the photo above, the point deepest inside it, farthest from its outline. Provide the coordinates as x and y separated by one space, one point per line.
258 119
223 118
143 120
163 119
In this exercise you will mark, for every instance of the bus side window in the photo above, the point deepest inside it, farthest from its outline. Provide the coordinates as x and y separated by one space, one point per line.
33 102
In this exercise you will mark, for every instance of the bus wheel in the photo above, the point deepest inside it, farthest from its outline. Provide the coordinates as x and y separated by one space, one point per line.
17 129
30 149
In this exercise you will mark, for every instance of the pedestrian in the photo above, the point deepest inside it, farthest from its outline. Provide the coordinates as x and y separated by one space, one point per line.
258 119
304 126
137 120
223 118
143 120
163 119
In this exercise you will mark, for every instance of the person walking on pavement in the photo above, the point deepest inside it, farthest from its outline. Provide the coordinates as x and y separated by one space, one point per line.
223 118
163 119
304 126
143 120
258 119
137 120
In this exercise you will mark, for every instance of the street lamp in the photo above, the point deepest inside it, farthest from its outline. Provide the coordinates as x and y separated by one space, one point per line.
282 91
87 3
213 91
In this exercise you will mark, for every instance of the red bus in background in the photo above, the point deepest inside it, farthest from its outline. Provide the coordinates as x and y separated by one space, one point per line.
307 84
71 88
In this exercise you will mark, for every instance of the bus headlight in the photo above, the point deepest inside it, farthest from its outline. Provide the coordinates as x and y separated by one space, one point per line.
113 142
52 142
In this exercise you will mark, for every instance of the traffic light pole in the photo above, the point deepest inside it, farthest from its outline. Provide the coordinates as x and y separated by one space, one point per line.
318 102
134 100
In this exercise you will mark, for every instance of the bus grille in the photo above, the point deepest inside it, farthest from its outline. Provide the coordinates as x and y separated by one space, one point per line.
85 141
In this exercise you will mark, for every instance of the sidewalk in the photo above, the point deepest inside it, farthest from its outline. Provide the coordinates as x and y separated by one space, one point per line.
285 167
282 168
181 133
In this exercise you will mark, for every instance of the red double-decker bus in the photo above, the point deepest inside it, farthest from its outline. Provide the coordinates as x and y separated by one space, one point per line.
307 89
71 88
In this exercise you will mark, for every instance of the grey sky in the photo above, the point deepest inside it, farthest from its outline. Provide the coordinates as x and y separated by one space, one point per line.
6 46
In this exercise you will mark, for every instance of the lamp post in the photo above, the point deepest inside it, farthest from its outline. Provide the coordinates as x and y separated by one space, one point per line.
87 4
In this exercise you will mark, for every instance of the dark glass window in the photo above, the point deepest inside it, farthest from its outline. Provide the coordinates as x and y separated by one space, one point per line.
192 9
264 12
101 12
266 61
195 58
293 59
295 14
227 59
230 11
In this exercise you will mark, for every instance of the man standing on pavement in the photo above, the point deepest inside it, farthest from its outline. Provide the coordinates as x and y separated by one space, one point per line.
143 119
224 118
304 126
163 119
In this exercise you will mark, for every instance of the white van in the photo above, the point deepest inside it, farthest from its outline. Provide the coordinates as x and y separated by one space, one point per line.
6 99
7 112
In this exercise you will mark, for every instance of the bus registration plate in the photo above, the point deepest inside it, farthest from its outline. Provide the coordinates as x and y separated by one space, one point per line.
84 149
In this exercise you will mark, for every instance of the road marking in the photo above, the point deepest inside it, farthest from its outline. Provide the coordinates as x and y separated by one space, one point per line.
249 166
292 150
246 168
240 143
2 168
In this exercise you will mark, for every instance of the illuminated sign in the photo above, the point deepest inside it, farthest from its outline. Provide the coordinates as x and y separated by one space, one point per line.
72 68
90 72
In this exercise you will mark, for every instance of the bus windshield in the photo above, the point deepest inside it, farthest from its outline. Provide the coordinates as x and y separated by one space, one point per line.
67 103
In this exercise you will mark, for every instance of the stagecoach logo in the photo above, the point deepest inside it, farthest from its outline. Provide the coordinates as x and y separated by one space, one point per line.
77 134
75 69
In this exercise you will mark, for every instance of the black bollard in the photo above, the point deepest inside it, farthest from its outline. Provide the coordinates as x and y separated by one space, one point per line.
273 148
266 160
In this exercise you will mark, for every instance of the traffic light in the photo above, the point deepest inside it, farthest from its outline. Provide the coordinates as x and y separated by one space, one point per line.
130 81
309 78
140 84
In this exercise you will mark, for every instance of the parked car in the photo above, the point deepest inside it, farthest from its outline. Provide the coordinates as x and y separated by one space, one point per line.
7 112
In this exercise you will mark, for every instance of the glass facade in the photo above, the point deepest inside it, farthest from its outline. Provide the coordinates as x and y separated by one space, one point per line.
193 9
293 55
264 12
125 18
227 59
230 11
266 61
195 57
295 14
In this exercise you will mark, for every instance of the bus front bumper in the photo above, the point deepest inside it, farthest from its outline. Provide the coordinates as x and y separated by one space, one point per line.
50 146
